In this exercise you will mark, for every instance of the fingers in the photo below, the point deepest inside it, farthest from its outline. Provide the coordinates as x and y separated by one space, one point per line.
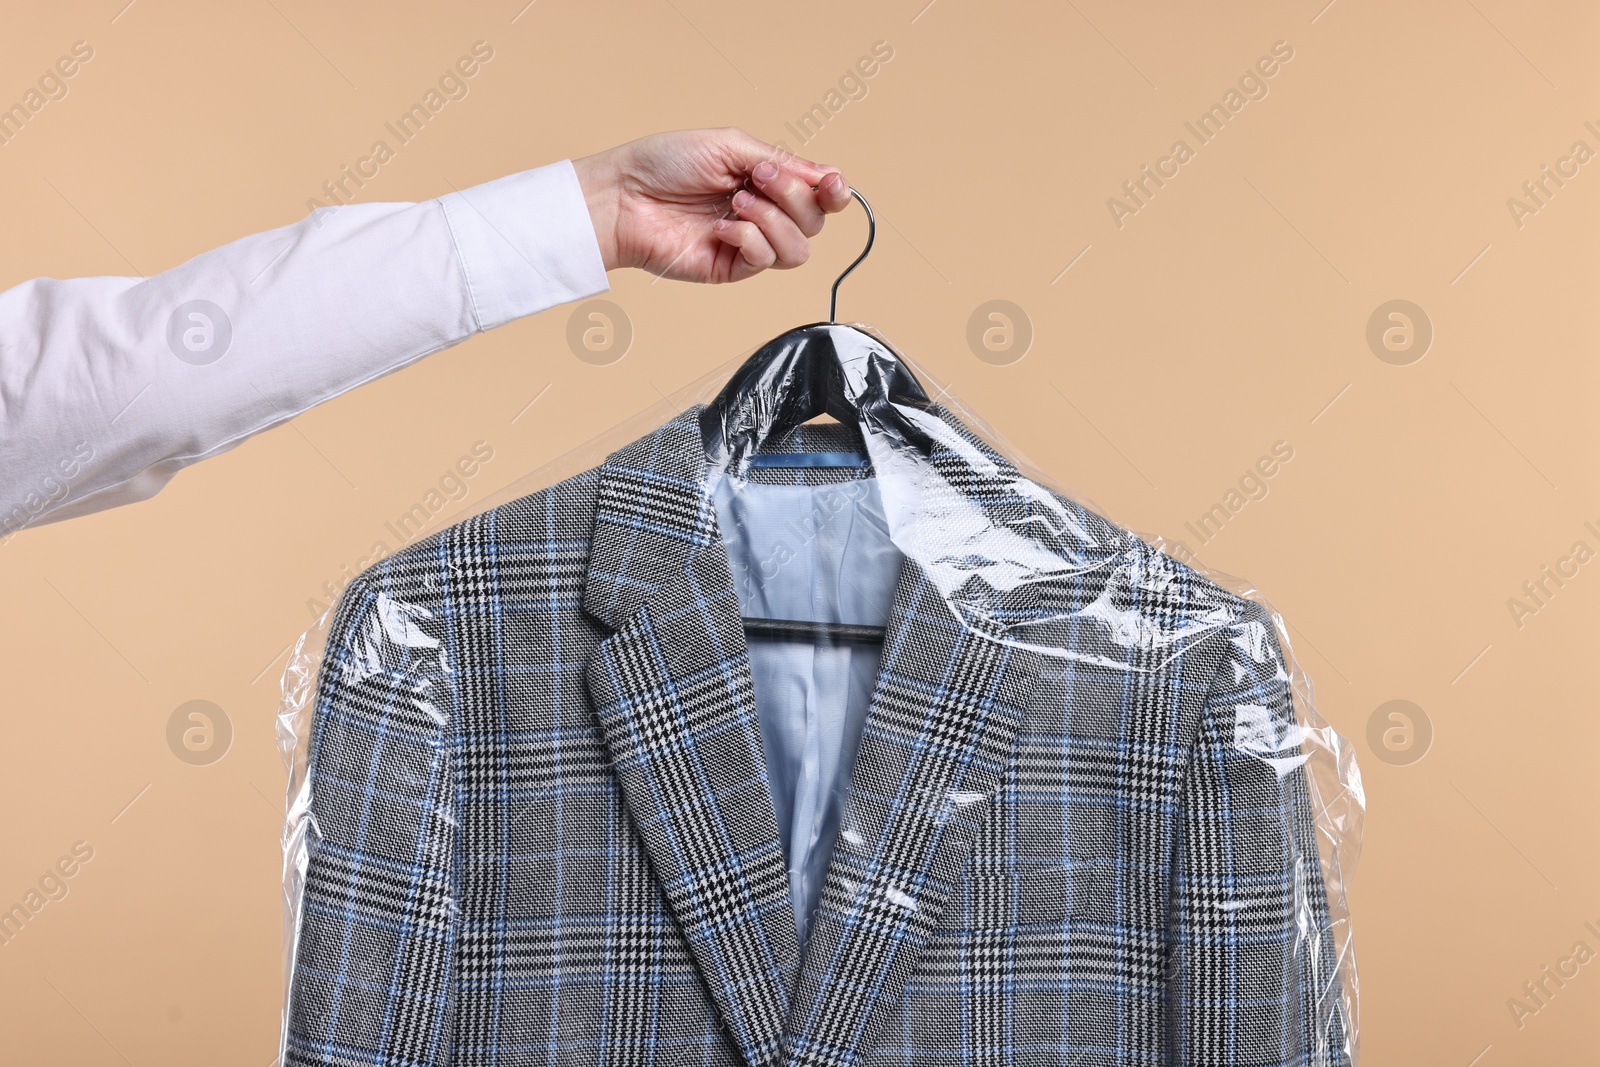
793 194
792 198
743 152
782 234
755 253
790 192
806 190
833 192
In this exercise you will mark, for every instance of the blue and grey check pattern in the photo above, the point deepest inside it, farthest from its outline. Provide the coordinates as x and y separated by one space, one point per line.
1077 829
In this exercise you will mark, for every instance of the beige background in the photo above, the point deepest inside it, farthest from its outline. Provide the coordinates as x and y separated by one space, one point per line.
1229 313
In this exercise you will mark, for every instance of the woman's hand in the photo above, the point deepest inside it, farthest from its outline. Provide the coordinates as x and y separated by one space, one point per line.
706 205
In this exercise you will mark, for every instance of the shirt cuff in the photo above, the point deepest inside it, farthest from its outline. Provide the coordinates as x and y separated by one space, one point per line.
526 243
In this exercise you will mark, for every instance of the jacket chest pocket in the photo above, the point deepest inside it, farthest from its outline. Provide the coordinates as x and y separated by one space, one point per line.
1000 899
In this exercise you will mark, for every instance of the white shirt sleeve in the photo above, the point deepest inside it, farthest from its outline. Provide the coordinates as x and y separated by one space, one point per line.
110 386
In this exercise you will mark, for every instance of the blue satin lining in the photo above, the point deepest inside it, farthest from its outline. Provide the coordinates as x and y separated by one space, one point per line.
820 553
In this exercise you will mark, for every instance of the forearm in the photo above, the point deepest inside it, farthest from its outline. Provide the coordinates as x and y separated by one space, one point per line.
109 386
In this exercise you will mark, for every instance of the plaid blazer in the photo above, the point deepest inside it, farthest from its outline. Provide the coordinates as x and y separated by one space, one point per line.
542 831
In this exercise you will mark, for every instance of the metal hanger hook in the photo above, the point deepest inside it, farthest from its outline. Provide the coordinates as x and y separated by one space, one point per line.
872 234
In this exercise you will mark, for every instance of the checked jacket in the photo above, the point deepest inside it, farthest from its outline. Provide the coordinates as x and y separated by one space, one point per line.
1077 830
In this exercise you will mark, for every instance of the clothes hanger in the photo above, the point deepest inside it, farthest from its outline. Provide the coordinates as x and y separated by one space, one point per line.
820 368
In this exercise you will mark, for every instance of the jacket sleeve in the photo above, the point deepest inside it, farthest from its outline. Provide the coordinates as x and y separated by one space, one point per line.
374 939
1253 978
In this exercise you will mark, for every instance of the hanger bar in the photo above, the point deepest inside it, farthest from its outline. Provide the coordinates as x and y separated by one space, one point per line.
802 630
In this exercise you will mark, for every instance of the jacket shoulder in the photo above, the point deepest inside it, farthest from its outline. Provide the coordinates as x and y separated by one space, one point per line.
551 526
1147 578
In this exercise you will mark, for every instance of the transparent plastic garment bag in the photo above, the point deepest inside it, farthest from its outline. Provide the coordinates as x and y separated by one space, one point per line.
742 737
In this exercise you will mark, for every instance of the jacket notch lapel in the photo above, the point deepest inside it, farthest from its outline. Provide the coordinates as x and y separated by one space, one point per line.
673 695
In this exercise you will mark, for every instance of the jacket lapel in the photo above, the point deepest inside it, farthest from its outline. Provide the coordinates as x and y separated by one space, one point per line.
953 684
672 691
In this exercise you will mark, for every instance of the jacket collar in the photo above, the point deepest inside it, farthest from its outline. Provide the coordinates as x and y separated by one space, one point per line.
672 690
